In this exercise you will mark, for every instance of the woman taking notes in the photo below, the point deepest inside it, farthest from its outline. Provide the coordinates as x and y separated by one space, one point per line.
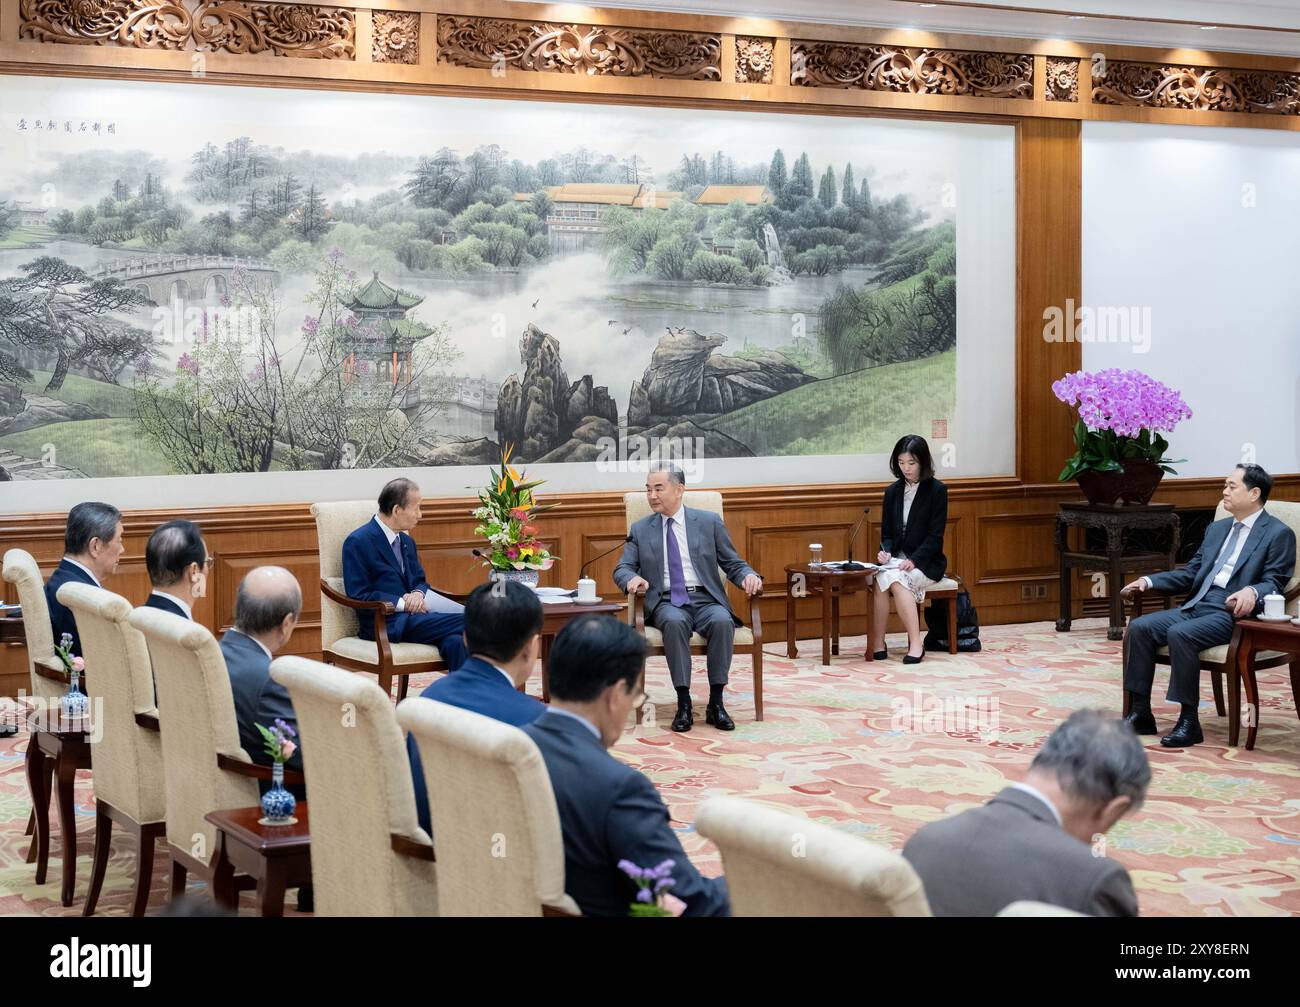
911 544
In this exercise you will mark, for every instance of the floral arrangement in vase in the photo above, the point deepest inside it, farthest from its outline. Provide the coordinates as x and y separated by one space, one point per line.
652 885
278 804
74 703
1118 436
505 516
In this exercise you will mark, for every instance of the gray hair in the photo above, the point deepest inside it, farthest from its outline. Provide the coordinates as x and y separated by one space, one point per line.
266 595
675 474
1096 758
87 521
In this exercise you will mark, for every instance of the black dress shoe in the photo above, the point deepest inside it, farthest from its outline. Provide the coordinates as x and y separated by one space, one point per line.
879 655
1142 721
717 715
685 717
909 659
1185 733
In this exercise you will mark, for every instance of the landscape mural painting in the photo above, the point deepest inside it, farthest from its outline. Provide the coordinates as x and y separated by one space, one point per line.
307 281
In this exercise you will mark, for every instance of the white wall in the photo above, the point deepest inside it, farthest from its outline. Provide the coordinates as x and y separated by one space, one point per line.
1202 227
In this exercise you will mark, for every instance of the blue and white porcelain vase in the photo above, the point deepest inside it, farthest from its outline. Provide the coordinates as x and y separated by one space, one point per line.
529 577
277 803
75 703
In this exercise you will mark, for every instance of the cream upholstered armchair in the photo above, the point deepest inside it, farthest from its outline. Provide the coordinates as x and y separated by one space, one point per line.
339 641
51 754
127 758
1222 660
204 767
749 639
369 856
782 865
488 786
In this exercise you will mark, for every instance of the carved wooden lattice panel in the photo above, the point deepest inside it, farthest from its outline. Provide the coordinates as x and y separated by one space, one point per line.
1194 88
572 48
918 71
396 38
754 60
228 26
1062 79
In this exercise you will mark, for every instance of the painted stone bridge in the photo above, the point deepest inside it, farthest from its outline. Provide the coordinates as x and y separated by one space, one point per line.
167 278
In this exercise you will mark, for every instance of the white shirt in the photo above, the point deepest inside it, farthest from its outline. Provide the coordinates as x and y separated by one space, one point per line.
679 530
1035 792
579 718
392 537
176 601
85 569
505 673
253 638
909 495
1226 573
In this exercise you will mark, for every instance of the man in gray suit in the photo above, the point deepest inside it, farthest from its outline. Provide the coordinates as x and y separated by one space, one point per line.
1244 557
672 557
1042 840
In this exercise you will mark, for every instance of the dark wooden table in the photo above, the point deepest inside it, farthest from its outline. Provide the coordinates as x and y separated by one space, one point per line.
558 615
12 629
1117 521
830 585
61 741
277 857
1253 636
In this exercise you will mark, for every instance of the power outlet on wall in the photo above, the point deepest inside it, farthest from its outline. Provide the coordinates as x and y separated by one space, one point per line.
1033 592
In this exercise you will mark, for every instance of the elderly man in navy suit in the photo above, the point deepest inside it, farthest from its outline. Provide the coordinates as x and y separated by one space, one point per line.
92 545
609 811
672 557
178 563
503 623
1244 557
381 563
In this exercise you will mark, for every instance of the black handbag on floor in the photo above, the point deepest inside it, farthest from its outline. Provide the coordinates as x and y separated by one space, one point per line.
968 625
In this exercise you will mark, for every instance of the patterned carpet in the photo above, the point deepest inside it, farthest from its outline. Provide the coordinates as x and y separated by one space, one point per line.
879 749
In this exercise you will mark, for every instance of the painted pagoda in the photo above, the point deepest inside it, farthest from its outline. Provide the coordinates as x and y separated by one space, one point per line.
381 339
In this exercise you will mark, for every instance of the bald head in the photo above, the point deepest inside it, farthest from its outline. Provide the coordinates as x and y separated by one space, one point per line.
268 604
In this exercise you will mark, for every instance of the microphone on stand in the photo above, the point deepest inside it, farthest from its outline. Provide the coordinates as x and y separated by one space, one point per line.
851 565
582 571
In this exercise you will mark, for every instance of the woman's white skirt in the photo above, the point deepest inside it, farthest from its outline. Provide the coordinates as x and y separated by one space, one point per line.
914 580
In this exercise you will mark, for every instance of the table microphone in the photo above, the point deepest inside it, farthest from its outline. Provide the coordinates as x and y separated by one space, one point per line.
582 571
851 565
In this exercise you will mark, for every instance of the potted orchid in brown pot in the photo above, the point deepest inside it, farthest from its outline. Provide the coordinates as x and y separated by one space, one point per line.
1118 437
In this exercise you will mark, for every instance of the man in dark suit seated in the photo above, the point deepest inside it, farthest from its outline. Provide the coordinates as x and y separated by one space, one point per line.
672 557
1244 557
503 621
178 563
267 607
381 563
608 811
1042 840
92 545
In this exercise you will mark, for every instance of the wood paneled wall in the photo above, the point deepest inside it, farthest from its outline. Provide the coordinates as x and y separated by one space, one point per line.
1000 538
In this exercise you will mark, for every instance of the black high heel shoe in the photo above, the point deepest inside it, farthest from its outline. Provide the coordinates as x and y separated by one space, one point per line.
879 655
909 659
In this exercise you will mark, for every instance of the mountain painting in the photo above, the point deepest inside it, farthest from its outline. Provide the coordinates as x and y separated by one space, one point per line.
312 280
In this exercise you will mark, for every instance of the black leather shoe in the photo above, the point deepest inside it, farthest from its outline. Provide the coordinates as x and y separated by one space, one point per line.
1185 733
879 655
1142 721
909 659
685 717
717 715
306 899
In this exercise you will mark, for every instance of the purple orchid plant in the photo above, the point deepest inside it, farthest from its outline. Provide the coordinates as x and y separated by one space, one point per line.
652 884
1121 416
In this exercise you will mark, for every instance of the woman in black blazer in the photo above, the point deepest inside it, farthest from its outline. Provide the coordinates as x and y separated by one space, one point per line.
912 525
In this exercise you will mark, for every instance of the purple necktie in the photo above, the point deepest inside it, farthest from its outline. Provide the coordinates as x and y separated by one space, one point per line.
397 553
676 576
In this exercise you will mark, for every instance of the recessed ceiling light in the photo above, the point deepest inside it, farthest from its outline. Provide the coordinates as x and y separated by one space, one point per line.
1208 27
1078 17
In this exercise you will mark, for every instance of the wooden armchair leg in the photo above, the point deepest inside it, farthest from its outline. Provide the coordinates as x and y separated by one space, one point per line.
952 625
403 683
178 872
1295 684
103 833
386 683
148 835
758 682
1216 681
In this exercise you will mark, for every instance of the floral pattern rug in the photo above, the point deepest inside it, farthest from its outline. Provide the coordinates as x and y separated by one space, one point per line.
879 749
